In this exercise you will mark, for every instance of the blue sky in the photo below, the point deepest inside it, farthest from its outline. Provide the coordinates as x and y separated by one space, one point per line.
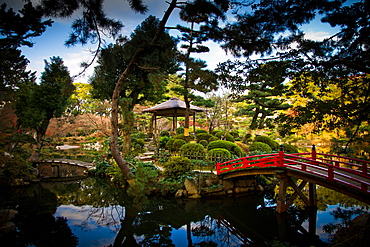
51 42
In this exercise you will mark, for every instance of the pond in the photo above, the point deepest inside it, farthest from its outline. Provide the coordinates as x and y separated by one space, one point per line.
93 212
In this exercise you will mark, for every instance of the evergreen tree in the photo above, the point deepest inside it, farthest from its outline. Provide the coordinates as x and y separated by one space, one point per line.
264 87
37 104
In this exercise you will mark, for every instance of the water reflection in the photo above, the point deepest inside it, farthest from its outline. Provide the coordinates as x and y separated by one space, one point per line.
92 212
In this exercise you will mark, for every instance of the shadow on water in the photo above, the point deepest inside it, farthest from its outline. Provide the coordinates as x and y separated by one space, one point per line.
92 212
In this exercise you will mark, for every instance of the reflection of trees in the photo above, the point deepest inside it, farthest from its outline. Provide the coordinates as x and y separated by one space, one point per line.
347 232
36 224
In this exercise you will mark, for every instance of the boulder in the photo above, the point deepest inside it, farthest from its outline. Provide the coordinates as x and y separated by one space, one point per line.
191 187
228 184
245 183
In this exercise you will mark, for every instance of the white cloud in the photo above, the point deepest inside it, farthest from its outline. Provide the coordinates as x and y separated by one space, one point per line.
317 36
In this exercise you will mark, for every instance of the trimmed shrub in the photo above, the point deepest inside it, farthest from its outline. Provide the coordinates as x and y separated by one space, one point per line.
179 136
204 143
228 136
232 147
213 138
163 141
289 148
203 136
216 131
177 144
174 144
222 153
180 130
265 139
164 133
260 146
198 131
193 150
176 166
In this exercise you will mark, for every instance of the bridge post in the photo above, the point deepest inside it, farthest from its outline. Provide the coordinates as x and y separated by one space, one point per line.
313 153
281 156
283 185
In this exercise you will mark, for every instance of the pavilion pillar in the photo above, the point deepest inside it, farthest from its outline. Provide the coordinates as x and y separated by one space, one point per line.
194 122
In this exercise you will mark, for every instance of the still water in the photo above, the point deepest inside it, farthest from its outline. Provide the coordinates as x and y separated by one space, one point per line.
93 212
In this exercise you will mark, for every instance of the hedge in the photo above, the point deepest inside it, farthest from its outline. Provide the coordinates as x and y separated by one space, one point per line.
260 146
232 147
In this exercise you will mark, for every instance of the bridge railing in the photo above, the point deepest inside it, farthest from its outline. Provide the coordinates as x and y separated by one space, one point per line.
349 171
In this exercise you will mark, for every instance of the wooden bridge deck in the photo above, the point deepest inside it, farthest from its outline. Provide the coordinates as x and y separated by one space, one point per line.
347 175
89 166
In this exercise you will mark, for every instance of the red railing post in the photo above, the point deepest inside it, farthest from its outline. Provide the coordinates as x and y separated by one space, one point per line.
364 168
281 156
313 154
330 173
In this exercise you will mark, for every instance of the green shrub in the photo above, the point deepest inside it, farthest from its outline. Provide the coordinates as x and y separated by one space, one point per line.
180 130
204 143
175 144
179 136
265 139
232 147
213 138
176 166
193 150
214 132
228 137
289 148
163 141
164 133
221 153
198 131
203 136
260 146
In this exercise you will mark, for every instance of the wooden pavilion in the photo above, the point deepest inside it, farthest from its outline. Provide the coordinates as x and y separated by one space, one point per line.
174 108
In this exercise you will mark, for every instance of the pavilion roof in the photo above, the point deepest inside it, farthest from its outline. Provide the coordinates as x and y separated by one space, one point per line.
172 107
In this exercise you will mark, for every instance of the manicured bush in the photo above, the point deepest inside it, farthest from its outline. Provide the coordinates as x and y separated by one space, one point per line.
243 146
214 132
265 139
260 146
163 141
203 136
174 144
164 133
198 131
228 137
193 150
180 130
204 143
289 148
232 147
176 166
221 153
213 138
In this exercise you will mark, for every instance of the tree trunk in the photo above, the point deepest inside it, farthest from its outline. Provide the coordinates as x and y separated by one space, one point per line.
123 164
36 148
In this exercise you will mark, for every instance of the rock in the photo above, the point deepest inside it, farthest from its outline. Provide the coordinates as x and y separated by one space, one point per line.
228 184
8 227
216 194
191 187
239 190
259 188
18 182
245 183
194 196
180 194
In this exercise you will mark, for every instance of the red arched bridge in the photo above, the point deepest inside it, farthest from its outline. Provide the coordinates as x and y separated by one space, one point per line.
347 175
